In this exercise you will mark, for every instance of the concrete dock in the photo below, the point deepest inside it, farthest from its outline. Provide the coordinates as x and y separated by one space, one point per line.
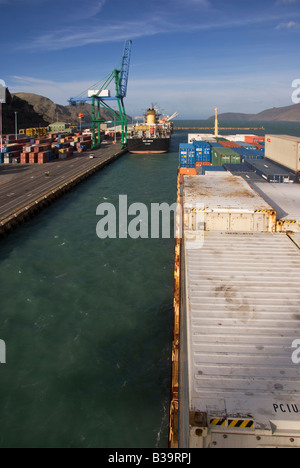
26 189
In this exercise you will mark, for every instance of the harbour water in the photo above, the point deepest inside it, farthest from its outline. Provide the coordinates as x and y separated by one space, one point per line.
87 322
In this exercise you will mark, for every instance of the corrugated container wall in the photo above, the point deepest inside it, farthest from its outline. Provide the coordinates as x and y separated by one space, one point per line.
285 150
221 156
239 371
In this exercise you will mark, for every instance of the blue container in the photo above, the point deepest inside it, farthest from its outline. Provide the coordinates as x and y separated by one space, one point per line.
199 154
252 157
206 151
215 145
271 171
236 167
207 154
246 145
187 155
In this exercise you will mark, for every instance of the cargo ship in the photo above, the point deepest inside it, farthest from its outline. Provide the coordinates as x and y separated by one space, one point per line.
153 135
235 357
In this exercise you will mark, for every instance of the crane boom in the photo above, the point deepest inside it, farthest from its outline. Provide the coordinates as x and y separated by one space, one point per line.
99 95
125 69
172 116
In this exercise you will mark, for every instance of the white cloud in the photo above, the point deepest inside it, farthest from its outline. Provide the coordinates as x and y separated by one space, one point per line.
286 2
142 26
195 98
76 37
288 25
58 92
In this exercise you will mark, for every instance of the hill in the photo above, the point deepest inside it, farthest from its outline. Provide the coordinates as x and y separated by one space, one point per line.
27 116
276 114
53 112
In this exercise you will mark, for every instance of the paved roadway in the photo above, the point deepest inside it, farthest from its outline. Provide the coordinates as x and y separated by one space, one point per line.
25 183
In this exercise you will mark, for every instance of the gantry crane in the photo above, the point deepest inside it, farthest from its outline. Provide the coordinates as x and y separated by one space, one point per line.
99 96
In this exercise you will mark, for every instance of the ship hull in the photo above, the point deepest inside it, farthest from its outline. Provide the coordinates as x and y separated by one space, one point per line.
148 145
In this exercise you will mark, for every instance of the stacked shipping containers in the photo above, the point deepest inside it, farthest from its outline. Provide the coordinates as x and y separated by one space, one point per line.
43 150
195 154
238 383
271 172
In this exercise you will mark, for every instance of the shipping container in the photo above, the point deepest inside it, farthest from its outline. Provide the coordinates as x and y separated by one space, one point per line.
210 169
285 150
200 137
285 199
239 372
254 139
236 167
251 177
295 238
229 144
203 151
202 163
187 171
187 155
271 171
223 202
221 156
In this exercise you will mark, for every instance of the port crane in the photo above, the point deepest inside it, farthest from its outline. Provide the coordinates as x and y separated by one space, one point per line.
99 96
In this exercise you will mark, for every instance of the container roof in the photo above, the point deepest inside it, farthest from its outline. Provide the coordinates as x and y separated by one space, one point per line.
222 192
243 303
284 198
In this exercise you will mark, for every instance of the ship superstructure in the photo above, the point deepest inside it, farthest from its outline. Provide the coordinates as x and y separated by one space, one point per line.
153 135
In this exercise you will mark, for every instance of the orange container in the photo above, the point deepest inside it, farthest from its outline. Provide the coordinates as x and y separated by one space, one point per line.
254 139
187 171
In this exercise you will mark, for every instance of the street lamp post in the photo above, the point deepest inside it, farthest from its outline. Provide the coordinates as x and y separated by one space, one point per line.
2 101
0 126
16 124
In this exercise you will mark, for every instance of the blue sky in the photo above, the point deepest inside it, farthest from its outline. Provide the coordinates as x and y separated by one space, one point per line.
188 55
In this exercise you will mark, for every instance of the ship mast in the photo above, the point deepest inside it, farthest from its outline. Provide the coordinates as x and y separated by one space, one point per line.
216 122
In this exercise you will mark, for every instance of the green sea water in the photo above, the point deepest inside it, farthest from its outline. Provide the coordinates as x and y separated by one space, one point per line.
87 322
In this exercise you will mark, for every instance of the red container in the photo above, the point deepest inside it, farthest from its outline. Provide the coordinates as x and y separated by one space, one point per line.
254 139
202 163
229 144
24 158
33 158
43 159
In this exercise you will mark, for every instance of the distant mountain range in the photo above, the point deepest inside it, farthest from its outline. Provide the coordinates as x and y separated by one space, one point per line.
276 114
52 112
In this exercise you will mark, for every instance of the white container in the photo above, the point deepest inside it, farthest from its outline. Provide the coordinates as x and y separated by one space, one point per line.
285 199
239 371
223 202
200 137
295 238
285 150
104 92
